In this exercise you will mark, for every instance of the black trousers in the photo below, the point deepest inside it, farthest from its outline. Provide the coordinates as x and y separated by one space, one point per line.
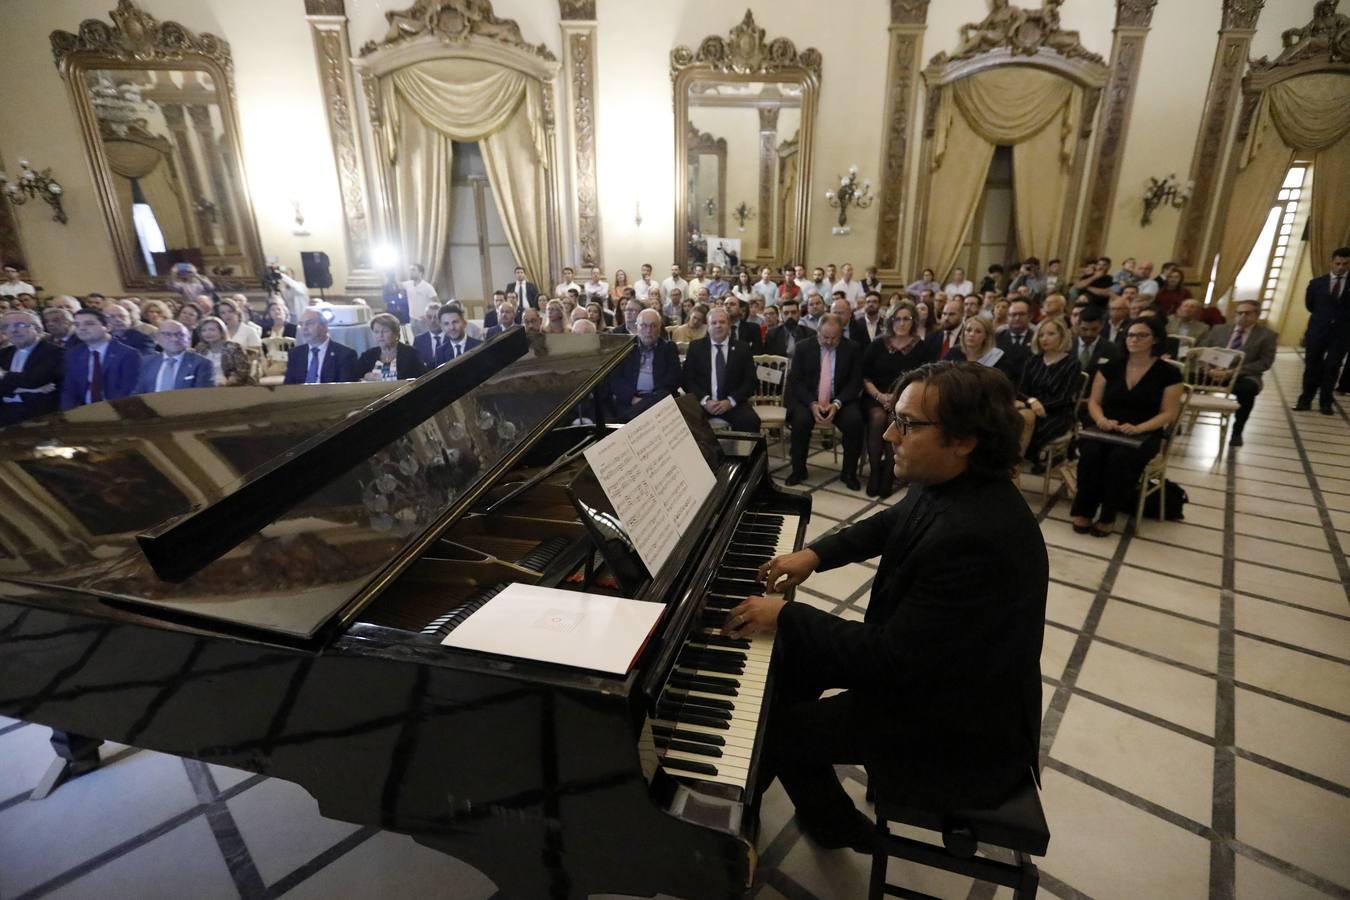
1245 390
848 420
1108 474
629 413
1324 355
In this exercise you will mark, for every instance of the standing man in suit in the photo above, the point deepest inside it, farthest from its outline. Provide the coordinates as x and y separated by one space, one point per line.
526 291
319 360
428 343
99 368
823 387
720 371
453 327
178 367
1258 344
1328 336
649 374
782 339
941 681
30 369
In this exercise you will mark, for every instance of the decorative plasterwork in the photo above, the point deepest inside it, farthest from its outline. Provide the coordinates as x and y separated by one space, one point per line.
137 36
1135 13
325 8
1022 31
453 21
581 61
1325 39
768 175
703 142
909 12
745 52
1241 15
11 244
577 10
908 18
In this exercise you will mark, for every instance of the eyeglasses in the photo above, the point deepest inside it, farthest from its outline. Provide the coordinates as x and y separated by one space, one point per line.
18 326
904 318
1138 335
905 425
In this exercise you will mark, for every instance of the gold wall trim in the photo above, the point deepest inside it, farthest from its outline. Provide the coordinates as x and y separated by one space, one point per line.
579 45
909 20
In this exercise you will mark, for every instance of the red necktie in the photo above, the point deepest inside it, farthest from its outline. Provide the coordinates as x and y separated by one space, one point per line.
96 379
946 344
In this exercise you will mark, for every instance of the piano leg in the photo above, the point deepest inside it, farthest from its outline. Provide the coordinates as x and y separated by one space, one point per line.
75 755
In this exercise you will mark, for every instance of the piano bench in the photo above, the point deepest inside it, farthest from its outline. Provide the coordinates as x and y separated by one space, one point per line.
1017 825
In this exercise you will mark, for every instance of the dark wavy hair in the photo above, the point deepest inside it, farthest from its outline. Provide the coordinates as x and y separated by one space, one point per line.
1156 325
974 401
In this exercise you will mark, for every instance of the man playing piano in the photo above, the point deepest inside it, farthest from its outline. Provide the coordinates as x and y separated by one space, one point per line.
941 681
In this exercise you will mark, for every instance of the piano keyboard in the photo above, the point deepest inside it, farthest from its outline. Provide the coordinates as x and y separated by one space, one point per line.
707 719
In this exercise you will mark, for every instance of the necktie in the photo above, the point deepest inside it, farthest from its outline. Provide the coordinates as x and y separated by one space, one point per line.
825 389
1337 284
1084 355
1236 342
168 373
435 347
946 344
720 369
455 350
312 376
96 378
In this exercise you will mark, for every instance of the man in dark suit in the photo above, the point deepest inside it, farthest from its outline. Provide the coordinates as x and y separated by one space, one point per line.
30 369
864 329
649 374
782 339
1328 336
941 681
498 301
526 291
632 307
1258 344
1016 341
99 368
823 387
1090 344
947 334
720 371
506 318
428 343
178 367
453 327
319 360
743 330
119 328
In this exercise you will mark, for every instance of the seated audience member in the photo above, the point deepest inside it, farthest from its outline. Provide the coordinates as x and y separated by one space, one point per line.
927 318
120 330
579 314
229 363
153 312
766 288
555 315
977 345
823 388
1117 314
686 307
1049 389
278 324
946 334
321 360
1095 282
650 372
533 321
1054 307
595 287
851 289
744 288
631 309
1172 292
863 329
177 368
1028 277
960 284
941 681
60 327
1019 337
191 315
490 316
896 351
584 326
455 327
619 287
1126 275
133 307
783 339
1258 344
756 315
1187 322
769 318
390 359
238 329
66 302
671 308
428 343
720 371
744 332
506 319
998 314
645 288
1137 397
1092 347
842 308
30 369
98 368
970 306
599 317
815 309
695 328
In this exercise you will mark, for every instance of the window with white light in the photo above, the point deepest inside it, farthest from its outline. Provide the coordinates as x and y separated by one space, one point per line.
1273 256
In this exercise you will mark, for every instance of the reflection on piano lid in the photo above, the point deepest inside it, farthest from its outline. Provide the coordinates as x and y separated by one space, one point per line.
385 468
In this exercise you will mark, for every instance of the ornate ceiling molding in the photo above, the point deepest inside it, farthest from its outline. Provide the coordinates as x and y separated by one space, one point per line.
909 12
1135 13
746 52
1325 39
703 142
576 10
137 36
452 21
1241 15
1024 32
325 7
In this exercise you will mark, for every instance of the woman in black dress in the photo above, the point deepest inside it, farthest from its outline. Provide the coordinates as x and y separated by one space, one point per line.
1137 397
895 351
1048 392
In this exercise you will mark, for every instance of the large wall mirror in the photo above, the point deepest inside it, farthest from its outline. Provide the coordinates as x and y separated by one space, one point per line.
744 112
156 109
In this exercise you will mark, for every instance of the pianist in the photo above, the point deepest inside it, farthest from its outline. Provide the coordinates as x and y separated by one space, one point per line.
941 681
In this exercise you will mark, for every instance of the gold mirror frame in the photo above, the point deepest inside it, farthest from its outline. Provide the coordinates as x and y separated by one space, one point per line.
745 56
137 41
703 144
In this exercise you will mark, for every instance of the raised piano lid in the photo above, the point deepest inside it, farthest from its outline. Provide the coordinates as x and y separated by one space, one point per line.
80 488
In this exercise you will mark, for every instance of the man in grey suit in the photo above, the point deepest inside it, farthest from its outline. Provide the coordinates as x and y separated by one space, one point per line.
1257 343
178 367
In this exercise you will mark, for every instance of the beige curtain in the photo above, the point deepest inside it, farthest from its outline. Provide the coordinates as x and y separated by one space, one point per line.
1308 115
147 164
430 104
1034 111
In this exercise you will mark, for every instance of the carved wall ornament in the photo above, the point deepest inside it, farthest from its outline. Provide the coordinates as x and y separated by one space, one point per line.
746 52
331 50
1241 15
1135 13
895 156
909 12
137 36
577 10
454 21
1022 31
703 142
582 59
1325 39
325 7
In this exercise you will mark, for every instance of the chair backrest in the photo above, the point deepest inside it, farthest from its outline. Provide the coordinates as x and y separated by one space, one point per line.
1212 370
1171 430
1184 344
770 379
275 351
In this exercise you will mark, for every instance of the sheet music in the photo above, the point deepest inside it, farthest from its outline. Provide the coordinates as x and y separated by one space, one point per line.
652 471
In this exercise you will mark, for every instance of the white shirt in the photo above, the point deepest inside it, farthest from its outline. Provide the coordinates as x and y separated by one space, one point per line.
598 290
247 336
960 287
1148 288
643 288
20 357
853 290
18 287
295 294
712 366
420 293
873 327
767 290
323 354
522 300
671 284
562 289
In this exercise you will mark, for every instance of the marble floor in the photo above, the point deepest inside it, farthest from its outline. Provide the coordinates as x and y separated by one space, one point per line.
1197 720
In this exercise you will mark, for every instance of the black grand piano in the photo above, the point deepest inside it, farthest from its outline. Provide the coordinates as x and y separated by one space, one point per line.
262 577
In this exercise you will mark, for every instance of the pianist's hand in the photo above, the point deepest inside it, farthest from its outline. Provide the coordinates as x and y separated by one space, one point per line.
757 615
788 570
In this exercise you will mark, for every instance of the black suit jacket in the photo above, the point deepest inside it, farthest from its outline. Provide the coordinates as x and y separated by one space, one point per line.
804 375
748 333
406 360
1105 350
775 342
1327 315
857 330
339 364
665 374
531 297
44 366
1016 354
933 340
945 666
696 378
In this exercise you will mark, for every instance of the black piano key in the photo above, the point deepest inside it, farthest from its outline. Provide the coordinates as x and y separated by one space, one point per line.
697 749
712 679
682 710
695 718
694 683
441 626
538 559
717 654
712 665
685 734
686 765
722 641
734 586
706 702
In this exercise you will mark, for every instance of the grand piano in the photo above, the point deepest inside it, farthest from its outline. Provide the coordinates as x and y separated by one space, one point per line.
261 578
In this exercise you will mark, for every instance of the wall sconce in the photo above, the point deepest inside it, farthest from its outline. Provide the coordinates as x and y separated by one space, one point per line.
850 193
742 214
32 185
1165 192
710 207
637 213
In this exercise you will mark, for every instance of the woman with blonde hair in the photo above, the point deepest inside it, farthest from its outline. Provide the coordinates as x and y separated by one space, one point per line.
238 329
975 343
1048 392
618 286
227 357
694 328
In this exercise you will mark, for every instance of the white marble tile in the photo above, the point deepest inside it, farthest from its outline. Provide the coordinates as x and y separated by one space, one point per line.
838 506
186 862
1074 568
1314 680
281 826
1305 535
1308 741
1162 634
1257 882
1293 821
1310 560
1055 650
1301 628
1157 688
841 582
25 753
1175 561
1318 593
1067 605
1189 598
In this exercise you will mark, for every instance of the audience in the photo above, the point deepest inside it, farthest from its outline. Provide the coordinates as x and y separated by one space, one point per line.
896 351
944 336
31 369
1092 347
977 344
278 319
177 367
321 360
454 327
744 332
60 326
390 359
1048 391
720 371
428 343
230 365
631 308
506 318
1172 292
1187 322
187 284
650 372
1328 334
237 328
694 328
120 330
98 367
1258 344
13 285
533 321
823 388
